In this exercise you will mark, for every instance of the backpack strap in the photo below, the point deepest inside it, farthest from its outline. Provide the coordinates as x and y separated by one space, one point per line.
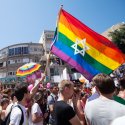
6 121
22 116
53 98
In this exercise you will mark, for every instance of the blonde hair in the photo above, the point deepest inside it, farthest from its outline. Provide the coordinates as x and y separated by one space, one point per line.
64 83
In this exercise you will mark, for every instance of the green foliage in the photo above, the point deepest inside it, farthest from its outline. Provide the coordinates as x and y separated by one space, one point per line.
118 37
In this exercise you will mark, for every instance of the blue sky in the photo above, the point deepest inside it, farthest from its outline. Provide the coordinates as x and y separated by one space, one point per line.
24 20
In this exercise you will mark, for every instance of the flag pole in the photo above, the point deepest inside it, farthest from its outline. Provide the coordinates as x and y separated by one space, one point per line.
58 17
47 62
48 58
56 31
45 71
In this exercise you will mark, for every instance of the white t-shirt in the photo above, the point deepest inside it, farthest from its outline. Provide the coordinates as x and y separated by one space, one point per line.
119 121
16 114
30 119
36 109
8 109
102 111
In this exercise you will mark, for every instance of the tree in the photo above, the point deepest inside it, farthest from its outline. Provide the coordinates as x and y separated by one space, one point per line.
118 37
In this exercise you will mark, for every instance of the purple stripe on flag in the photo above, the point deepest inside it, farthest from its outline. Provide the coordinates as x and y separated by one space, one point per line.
72 62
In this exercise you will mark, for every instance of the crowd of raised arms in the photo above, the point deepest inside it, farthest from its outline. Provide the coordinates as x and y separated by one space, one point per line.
66 103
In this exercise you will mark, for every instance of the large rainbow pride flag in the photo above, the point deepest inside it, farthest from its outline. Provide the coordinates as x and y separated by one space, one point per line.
84 49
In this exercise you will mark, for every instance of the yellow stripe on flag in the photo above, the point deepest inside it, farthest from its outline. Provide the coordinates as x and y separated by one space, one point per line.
100 57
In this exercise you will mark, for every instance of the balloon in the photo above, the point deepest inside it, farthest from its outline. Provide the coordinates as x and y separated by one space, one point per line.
30 87
33 78
28 78
38 74
82 80
48 85
41 86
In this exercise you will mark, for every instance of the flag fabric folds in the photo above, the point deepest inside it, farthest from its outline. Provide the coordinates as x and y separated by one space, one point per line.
84 49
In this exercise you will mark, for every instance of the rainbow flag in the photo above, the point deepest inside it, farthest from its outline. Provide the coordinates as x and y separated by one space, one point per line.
84 49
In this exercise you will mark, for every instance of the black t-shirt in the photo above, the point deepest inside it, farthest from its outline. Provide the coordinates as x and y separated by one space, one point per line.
63 112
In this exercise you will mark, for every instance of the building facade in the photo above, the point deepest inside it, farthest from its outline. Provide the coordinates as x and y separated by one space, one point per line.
112 29
57 68
14 56
46 40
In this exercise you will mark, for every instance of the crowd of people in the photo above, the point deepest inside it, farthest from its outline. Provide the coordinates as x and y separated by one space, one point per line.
66 103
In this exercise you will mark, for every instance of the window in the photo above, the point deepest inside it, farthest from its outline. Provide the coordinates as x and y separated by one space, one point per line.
63 62
8 62
36 59
35 49
4 53
1 64
31 49
19 60
26 60
73 70
25 50
51 71
11 52
48 46
49 39
54 71
15 61
18 51
10 73
41 49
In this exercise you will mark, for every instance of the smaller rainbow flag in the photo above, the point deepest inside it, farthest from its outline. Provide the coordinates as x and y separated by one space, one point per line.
84 49
27 69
